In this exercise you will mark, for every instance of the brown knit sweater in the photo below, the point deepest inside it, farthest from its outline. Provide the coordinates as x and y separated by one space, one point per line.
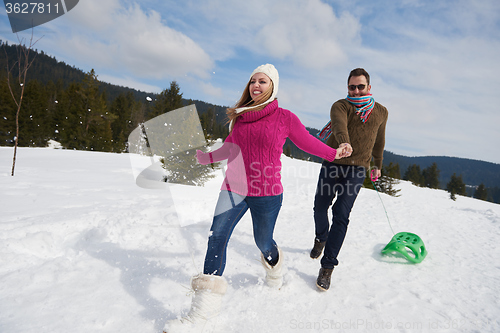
367 139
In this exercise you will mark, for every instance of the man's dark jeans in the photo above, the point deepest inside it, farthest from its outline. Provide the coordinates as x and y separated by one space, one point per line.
344 183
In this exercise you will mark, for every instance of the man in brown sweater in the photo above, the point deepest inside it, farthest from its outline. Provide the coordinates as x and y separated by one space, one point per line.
357 122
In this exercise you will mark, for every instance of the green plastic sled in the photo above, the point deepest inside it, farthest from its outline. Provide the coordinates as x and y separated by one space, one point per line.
404 242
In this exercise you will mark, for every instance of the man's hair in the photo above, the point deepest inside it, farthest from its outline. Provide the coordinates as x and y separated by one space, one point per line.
359 72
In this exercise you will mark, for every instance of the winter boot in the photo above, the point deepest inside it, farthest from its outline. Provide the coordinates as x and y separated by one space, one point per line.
274 274
324 276
317 249
206 304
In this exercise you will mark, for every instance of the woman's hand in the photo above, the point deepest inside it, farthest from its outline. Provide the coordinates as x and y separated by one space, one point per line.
201 157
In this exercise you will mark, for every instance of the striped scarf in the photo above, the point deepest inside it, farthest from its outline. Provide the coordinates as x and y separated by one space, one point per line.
364 107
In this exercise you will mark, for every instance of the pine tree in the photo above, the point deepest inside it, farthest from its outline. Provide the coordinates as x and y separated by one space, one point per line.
168 100
208 123
431 176
100 126
481 192
455 186
96 118
212 129
70 129
7 113
392 170
86 119
37 120
124 107
414 175
52 93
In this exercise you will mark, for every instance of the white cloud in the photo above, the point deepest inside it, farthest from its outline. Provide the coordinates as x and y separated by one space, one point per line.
122 37
95 16
308 32
210 90
153 49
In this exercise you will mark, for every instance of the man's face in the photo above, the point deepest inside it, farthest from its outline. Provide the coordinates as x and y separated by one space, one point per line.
357 82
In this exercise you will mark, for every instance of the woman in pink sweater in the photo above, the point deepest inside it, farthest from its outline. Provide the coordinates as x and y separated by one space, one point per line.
258 130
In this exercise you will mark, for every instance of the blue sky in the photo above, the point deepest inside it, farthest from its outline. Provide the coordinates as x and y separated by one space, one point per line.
434 64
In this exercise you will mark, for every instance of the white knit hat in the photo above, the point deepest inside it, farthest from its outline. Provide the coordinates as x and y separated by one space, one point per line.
272 73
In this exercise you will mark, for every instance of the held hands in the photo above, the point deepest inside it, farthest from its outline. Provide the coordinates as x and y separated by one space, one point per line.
344 150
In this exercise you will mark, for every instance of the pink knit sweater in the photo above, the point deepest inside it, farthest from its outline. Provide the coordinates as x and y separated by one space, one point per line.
254 148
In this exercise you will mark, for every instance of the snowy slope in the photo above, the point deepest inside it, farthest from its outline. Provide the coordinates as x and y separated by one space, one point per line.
83 249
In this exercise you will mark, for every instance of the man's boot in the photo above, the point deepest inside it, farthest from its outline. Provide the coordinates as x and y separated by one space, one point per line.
317 249
324 277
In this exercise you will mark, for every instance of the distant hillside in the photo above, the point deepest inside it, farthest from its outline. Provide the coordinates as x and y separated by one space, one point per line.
46 68
473 172
202 107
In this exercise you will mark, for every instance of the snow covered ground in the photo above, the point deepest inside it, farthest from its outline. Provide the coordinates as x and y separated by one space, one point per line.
84 249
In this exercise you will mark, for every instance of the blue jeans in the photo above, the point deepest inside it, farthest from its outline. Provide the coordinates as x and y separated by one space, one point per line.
229 210
343 182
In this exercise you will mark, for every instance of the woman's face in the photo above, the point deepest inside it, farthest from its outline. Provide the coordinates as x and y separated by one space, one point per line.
259 83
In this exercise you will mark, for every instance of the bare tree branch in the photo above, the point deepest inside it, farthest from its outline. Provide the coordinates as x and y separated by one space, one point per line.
23 63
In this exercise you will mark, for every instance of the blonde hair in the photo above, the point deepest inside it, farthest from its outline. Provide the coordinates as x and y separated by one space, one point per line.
247 101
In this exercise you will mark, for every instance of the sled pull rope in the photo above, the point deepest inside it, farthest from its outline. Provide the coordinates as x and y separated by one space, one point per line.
373 179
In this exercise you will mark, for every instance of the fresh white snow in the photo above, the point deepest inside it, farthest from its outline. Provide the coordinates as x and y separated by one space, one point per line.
84 249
